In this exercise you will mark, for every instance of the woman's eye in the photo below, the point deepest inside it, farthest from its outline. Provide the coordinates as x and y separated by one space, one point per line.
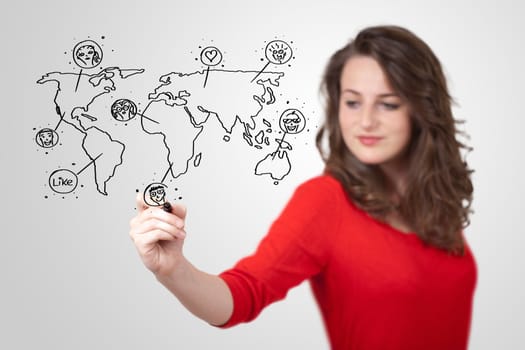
352 104
390 106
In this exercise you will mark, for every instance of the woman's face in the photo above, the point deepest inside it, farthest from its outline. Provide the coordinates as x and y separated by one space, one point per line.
374 120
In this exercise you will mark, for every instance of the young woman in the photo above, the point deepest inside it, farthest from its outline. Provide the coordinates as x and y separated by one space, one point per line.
378 235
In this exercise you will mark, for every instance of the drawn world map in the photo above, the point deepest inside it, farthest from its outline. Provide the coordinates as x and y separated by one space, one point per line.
178 110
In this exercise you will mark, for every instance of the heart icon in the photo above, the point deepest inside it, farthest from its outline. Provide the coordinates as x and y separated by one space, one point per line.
211 55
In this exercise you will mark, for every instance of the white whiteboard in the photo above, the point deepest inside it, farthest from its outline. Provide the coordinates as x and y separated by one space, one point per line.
72 279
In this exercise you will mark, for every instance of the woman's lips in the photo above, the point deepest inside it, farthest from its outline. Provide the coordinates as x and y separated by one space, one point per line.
369 140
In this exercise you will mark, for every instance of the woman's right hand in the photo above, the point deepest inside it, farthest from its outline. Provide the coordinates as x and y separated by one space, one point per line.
158 236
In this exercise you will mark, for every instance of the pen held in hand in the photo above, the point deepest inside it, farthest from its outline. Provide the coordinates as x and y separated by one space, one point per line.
166 207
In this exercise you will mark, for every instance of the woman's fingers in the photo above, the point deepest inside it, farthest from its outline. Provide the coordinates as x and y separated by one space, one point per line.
151 223
152 237
158 214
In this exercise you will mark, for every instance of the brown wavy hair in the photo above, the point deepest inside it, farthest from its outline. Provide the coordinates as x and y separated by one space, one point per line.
436 202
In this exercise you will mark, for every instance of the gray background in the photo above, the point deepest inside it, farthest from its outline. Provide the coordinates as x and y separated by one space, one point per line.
71 278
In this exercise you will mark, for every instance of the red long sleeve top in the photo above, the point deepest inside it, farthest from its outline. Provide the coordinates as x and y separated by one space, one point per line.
376 287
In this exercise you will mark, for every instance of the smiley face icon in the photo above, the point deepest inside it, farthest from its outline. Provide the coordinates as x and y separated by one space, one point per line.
278 52
155 194
292 121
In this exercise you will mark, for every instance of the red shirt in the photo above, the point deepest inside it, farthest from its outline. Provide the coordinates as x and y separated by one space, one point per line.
376 287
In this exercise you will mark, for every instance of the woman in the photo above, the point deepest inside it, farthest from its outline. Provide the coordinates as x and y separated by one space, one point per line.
378 235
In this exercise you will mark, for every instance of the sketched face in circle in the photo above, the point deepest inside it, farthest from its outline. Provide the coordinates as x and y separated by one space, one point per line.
292 121
157 194
278 52
46 137
123 110
87 54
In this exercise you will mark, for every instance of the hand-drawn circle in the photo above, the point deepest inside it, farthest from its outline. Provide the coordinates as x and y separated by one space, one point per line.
46 138
292 121
278 52
211 56
123 110
87 54
155 194
63 181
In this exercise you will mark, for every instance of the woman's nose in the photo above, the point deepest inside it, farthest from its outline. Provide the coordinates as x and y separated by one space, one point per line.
368 118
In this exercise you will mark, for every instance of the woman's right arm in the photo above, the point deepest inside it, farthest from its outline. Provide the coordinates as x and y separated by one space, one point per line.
159 237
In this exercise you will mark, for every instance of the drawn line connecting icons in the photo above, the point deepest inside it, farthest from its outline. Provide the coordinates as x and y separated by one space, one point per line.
155 193
123 110
210 57
46 138
292 121
87 54
64 181
277 164
276 52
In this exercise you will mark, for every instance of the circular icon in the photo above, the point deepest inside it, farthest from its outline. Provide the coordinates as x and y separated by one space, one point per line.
46 138
211 56
63 181
292 121
278 52
123 110
155 194
87 54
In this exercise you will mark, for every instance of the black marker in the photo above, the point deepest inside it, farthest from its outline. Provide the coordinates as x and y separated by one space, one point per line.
166 207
